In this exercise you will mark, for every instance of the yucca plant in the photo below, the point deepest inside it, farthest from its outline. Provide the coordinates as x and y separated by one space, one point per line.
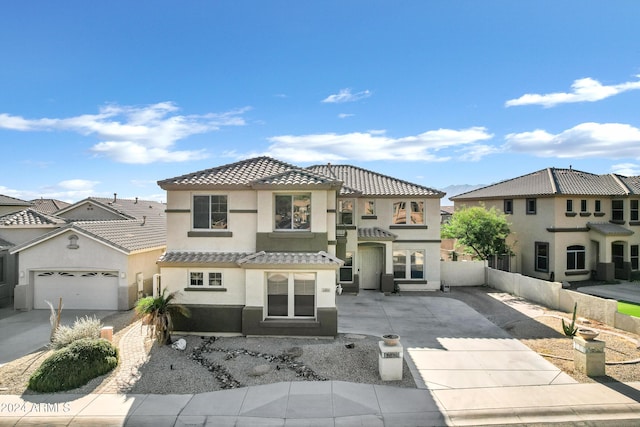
157 312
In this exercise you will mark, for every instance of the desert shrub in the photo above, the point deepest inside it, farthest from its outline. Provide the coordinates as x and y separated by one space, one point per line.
74 365
83 327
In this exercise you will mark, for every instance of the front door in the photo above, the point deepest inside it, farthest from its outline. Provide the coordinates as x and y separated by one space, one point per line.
371 266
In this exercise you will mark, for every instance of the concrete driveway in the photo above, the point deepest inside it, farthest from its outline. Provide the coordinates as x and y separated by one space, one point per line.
629 292
23 332
447 344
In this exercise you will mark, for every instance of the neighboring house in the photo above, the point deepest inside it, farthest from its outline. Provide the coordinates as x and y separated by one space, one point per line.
19 222
257 247
567 224
48 206
100 254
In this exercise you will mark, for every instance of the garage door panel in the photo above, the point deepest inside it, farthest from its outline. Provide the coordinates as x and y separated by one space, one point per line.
96 290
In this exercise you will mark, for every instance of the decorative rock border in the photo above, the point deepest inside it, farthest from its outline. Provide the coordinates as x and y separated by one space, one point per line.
225 378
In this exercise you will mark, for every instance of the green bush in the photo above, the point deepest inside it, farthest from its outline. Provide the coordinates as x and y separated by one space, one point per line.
83 327
73 366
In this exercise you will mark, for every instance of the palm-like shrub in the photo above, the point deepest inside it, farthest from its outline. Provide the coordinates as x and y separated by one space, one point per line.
74 365
157 312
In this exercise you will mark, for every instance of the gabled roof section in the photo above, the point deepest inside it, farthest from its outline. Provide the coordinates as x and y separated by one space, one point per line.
124 235
12 201
631 182
48 206
549 182
30 217
4 244
296 178
233 175
373 184
115 208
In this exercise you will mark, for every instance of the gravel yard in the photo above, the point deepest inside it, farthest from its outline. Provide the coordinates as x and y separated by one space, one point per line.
223 362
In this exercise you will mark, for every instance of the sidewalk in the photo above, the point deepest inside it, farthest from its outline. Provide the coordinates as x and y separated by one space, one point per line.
478 397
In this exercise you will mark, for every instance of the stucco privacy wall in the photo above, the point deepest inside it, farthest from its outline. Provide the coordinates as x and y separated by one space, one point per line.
551 295
464 273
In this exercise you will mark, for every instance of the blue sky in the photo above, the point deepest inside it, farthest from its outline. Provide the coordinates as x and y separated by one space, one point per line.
99 98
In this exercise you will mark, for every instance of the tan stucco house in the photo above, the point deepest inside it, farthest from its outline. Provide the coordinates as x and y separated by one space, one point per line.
96 254
258 247
568 224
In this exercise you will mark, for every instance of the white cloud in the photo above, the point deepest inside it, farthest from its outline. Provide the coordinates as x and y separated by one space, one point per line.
433 146
132 134
69 191
345 95
628 169
598 140
584 90
344 115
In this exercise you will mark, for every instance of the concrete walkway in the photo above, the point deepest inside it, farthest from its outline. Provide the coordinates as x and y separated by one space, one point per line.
629 292
444 340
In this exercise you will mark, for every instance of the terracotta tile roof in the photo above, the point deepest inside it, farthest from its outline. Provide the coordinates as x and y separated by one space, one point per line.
295 177
290 258
370 183
609 229
375 233
48 206
124 208
12 201
201 257
30 216
130 235
549 182
241 173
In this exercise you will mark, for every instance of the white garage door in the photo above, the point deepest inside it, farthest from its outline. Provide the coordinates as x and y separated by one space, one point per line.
84 290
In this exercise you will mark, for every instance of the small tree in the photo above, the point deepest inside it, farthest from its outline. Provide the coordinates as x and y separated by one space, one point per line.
482 232
157 312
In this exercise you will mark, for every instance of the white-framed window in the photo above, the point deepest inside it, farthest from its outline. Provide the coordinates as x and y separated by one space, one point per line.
408 264
292 212
531 206
569 205
583 206
345 211
210 212
634 210
346 271
617 210
291 294
202 279
576 256
413 210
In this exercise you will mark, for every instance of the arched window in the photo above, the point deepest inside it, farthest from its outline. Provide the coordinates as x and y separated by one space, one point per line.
73 242
576 257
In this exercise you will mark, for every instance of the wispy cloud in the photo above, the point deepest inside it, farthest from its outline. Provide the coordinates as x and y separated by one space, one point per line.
628 169
344 115
70 190
134 134
597 140
345 95
432 146
583 90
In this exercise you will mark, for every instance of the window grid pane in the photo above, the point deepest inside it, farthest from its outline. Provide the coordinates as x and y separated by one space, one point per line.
417 265
399 265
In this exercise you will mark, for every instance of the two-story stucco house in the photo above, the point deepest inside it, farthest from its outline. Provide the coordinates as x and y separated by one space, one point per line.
257 247
567 224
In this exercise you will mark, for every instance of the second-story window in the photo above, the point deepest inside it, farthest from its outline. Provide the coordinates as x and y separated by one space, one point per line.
531 206
617 210
583 206
413 210
598 206
345 212
210 212
508 206
569 205
634 210
370 208
293 212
